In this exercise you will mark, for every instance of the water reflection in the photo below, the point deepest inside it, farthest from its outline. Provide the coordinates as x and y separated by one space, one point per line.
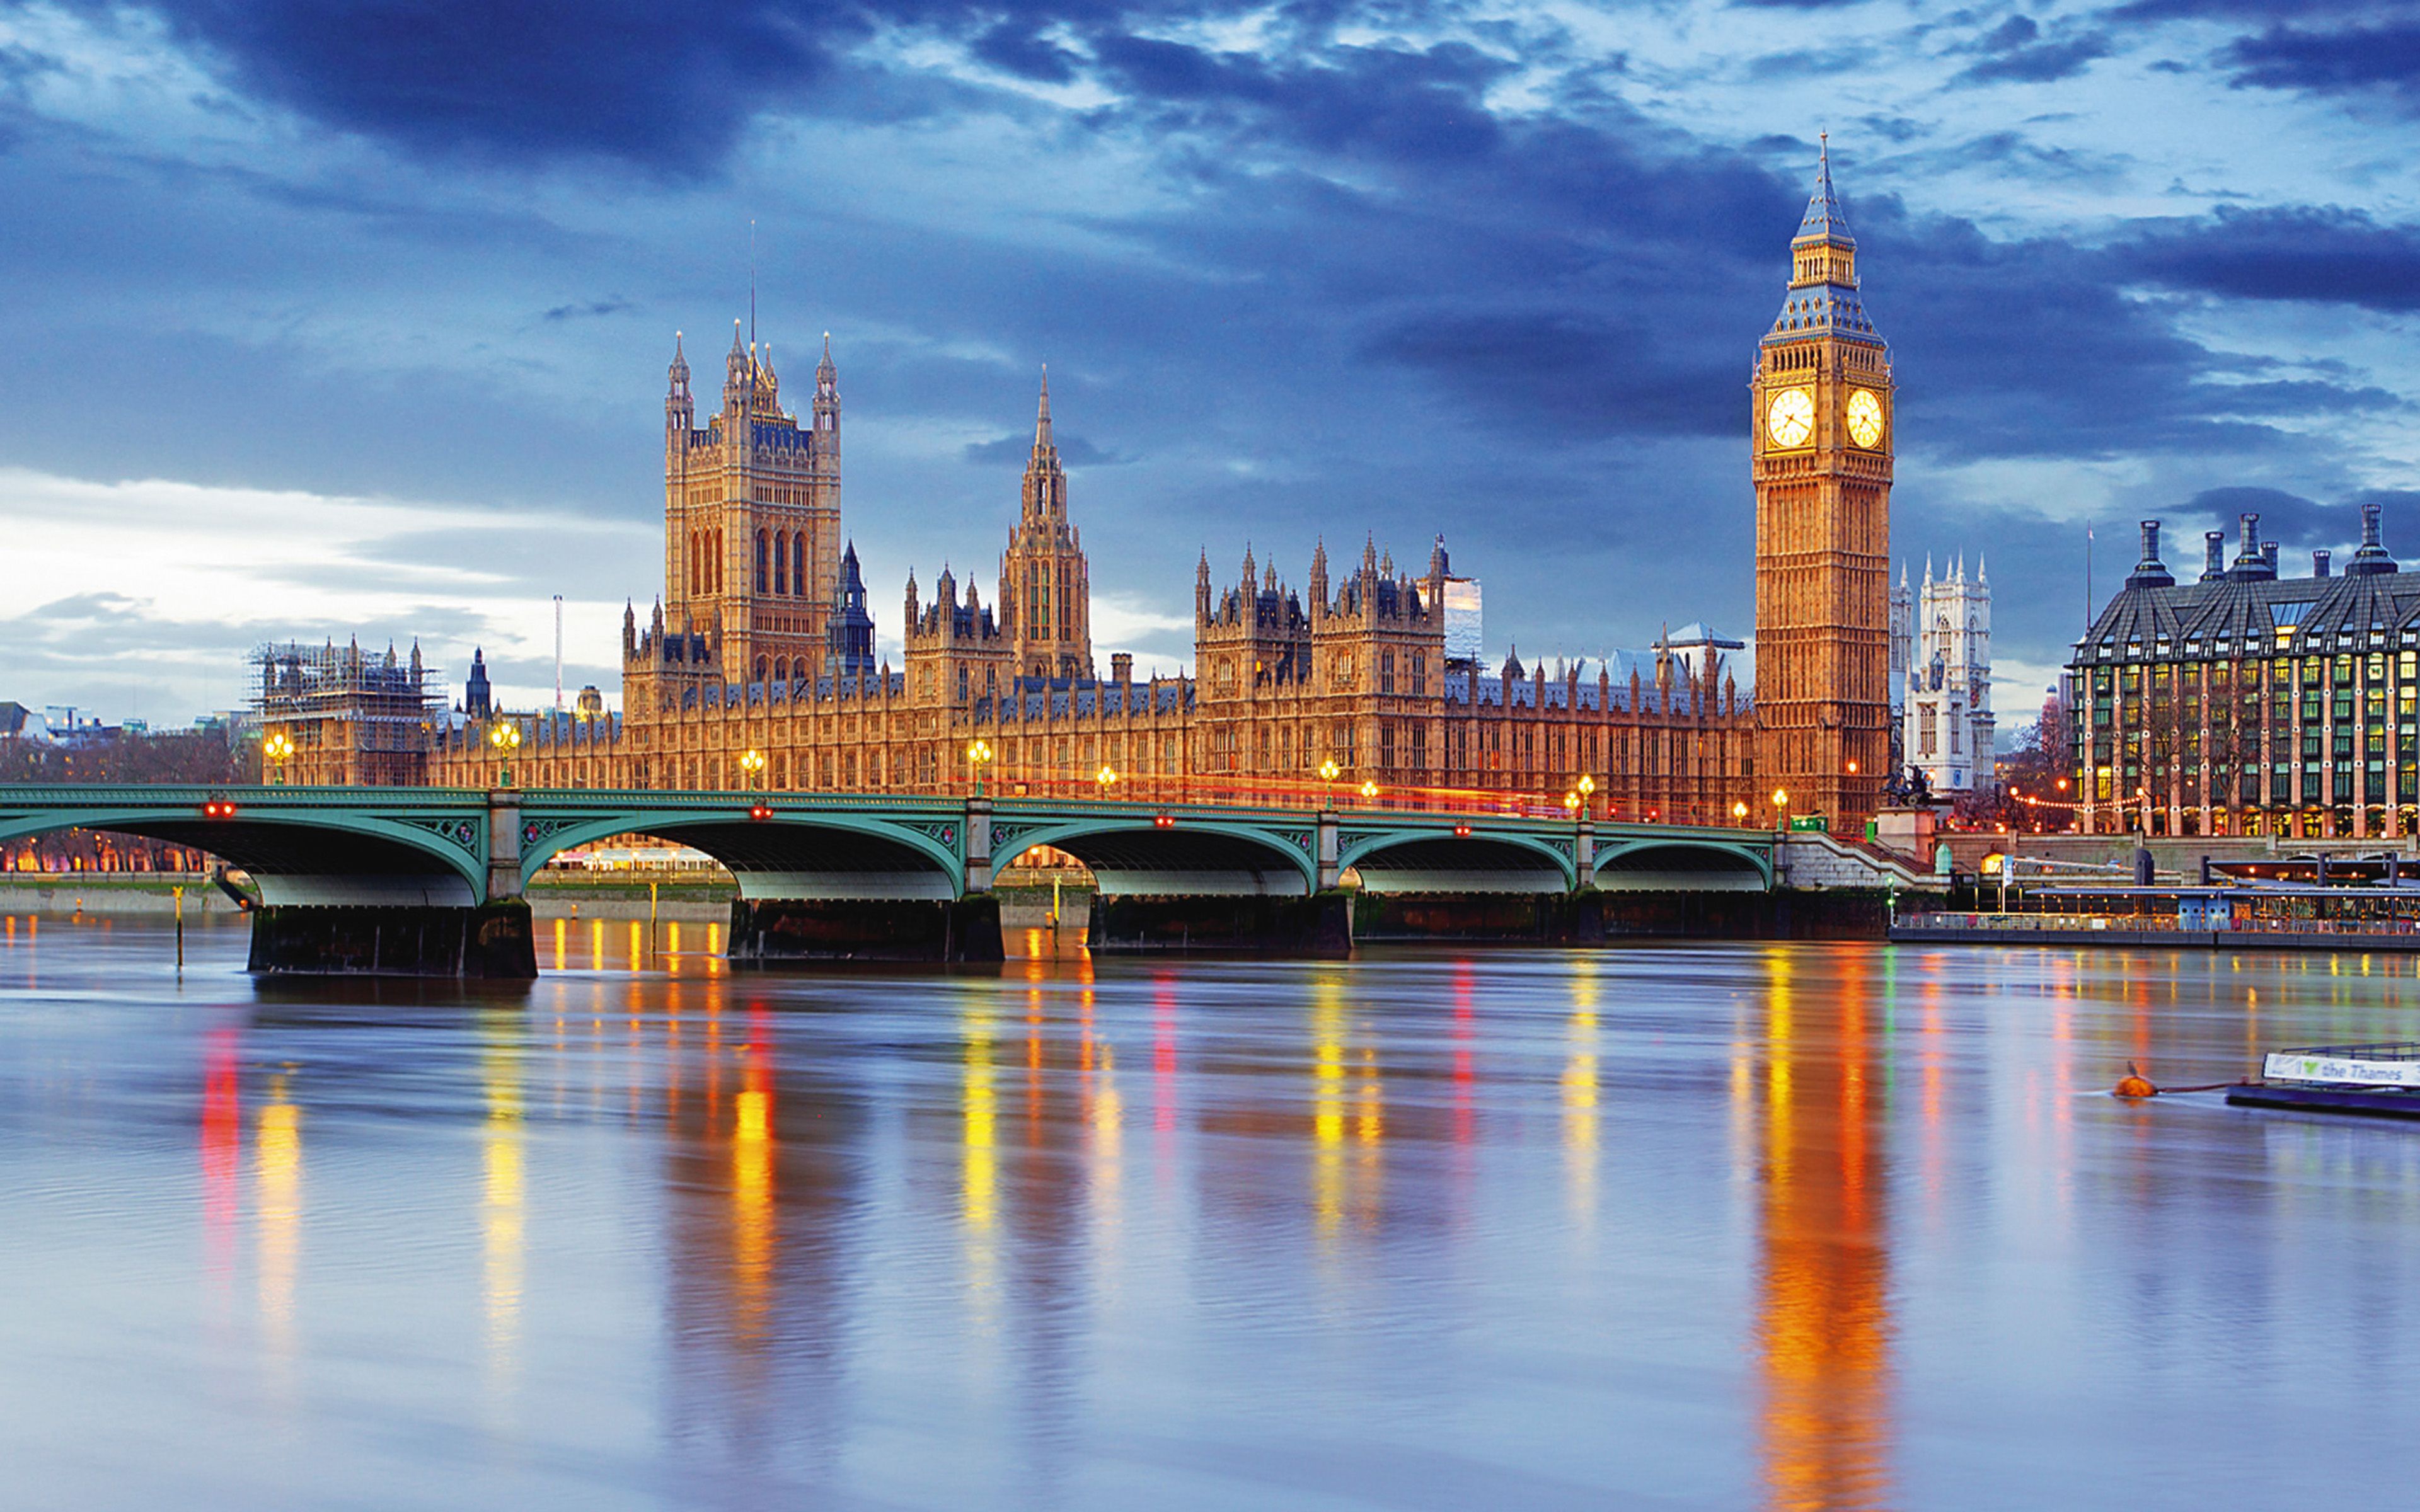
1772 1227
277 1201
502 1198
1823 1318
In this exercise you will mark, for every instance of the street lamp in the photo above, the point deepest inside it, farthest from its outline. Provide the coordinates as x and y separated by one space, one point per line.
1328 771
752 763
277 750
1107 777
1369 790
506 737
1780 809
1588 791
979 757
1739 812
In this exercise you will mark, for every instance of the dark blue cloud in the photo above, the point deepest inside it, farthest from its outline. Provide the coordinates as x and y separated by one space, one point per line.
589 309
2311 255
2016 51
2382 60
646 81
1019 51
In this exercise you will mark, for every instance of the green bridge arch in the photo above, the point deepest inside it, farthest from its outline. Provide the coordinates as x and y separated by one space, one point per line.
313 845
1131 855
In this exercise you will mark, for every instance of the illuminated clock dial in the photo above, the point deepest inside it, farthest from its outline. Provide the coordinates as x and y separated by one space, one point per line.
1865 418
1789 419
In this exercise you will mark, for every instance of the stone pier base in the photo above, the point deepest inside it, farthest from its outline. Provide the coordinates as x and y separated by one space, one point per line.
492 941
1321 925
1535 918
771 931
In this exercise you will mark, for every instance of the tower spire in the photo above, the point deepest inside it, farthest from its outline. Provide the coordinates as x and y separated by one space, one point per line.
1042 419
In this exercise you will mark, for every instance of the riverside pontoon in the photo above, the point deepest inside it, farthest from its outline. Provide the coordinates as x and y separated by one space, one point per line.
2379 1080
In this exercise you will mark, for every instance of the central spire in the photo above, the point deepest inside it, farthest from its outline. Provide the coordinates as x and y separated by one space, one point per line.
1042 419
1824 221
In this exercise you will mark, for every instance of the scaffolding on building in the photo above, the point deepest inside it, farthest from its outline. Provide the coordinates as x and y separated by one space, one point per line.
347 717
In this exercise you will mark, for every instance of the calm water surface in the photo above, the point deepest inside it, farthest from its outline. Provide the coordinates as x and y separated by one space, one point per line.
1724 1226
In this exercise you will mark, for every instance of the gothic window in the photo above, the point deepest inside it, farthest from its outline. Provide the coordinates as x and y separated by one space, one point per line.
962 683
1387 671
799 564
781 562
761 543
1420 674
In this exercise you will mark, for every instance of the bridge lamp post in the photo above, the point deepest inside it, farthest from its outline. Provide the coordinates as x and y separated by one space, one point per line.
277 750
979 757
1588 796
1780 809
1370 789
506 737
1329 772
1107 777
1739 814
751 761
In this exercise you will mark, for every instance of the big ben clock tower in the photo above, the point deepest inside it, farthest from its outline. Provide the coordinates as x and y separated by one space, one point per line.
1823 443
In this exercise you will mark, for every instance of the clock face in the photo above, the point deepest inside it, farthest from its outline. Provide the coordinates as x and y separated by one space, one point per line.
1865 418
1790 420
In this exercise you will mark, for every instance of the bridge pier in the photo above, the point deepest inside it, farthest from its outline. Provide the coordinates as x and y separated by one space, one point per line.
768 931
490 941
1320 925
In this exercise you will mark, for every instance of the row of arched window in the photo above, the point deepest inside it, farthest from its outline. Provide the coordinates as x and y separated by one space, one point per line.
781 562
781 669
705 562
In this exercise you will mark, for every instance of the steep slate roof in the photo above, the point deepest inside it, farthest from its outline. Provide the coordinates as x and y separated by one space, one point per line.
2217 618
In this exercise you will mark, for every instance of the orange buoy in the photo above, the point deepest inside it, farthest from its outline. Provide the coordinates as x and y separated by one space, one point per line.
2134 1084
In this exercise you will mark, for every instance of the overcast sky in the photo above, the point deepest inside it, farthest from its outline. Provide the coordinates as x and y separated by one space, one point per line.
353 317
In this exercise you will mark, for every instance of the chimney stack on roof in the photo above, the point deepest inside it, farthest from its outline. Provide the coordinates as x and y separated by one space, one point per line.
2251 561
2213 555
2320 563
2372 557
2150 572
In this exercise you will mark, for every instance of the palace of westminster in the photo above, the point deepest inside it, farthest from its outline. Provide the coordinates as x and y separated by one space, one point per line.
756 667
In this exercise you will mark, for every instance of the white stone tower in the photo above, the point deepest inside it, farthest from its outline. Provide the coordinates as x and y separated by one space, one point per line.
1947 725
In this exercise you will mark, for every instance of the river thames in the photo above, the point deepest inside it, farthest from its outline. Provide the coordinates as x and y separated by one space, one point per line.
1664 1226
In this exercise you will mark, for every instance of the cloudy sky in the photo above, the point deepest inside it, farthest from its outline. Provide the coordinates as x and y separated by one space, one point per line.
337 316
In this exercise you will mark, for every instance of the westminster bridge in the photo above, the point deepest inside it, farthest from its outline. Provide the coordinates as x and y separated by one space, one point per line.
431 880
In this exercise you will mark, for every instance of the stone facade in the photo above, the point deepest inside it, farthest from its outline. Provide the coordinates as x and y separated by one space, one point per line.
1353 668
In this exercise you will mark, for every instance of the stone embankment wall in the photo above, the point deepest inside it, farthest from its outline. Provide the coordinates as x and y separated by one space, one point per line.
1818 862
85 893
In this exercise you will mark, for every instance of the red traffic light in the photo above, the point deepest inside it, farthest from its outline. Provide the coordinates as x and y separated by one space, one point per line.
218 808
1461 831
1163 821
758 810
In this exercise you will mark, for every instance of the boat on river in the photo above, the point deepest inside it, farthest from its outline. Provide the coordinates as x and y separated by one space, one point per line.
2379 1080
